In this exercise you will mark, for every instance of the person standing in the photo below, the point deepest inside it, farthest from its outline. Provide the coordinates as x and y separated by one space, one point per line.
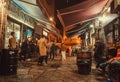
52 51
63 52
24 50
42 50
49 44
12 41
99 52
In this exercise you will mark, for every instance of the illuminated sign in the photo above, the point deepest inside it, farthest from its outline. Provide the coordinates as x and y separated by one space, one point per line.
45 33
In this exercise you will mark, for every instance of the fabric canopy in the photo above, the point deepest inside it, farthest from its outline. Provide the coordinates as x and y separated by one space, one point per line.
81 12
108 19
78 7
78 30
82 29
35 12
32 10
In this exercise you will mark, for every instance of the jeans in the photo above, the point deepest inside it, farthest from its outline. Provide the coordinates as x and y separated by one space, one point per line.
42 58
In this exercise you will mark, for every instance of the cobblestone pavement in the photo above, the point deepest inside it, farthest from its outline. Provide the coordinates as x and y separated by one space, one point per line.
55 71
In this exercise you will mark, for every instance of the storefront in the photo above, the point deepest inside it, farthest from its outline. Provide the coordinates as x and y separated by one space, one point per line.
18 22
111 31
109 34
12 27
38 32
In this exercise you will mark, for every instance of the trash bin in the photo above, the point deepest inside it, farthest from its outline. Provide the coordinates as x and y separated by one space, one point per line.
8 61
84 61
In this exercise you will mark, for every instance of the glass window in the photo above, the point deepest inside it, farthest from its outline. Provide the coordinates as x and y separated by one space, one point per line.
17 31
9 28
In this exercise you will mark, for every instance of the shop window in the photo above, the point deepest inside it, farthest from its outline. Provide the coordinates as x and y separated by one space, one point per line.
9 28
17 31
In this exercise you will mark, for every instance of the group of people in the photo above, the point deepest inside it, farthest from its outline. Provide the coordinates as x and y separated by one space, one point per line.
26 48
30 47
46 49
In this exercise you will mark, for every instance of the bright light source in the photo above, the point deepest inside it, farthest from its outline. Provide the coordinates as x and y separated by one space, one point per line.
100 18
103 18
91 25
109 9
51 19
45 33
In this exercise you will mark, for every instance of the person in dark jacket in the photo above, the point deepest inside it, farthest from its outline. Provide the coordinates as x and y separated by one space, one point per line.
24 50
99 53
52 51
31 48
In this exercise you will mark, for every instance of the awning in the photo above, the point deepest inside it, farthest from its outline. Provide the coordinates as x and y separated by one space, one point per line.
84 11
108 19
75 8
35 12
78 30
32 10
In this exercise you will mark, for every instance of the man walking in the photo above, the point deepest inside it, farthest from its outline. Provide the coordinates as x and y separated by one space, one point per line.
42 50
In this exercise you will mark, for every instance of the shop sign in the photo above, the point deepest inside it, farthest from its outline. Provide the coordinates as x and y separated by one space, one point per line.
20 15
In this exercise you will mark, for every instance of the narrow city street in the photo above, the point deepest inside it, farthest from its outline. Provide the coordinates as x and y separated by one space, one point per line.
83 35
55 71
